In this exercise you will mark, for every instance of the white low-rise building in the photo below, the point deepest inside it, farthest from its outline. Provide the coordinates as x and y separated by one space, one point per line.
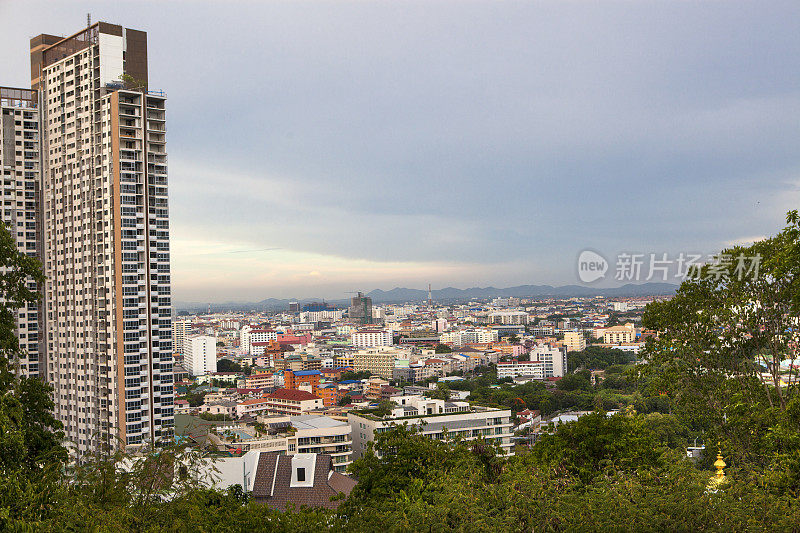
437 419
249 335
469 336
513 369
367 338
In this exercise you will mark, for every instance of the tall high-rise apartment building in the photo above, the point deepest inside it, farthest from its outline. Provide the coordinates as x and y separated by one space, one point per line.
104 237
19 172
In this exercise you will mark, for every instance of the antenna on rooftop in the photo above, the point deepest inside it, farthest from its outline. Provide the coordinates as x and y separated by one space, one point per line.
88 19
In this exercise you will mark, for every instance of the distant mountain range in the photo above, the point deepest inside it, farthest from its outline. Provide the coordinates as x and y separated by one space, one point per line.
453 295
449 294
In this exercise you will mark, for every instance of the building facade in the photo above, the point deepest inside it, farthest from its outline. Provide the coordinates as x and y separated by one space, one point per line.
105 237
200 354
436 419
375 361
554 359
360 310
20 170
513 369
574 341
367 338
180 330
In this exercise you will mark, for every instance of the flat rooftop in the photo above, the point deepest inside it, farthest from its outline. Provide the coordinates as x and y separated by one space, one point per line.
316 422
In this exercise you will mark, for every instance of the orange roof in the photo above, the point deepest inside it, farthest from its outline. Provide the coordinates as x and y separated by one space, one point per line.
253 401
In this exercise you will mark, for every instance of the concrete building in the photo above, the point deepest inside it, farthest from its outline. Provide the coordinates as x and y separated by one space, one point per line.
291 435
180 330
508 317
360 310
105 238
469 336
574 341
250 335
19 201
200 354
260 381
553 357
376 361
625 334
459 419
367 338
281 402
307 380
513 369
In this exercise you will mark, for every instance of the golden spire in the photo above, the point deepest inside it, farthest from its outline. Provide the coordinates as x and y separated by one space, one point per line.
719 478
719 464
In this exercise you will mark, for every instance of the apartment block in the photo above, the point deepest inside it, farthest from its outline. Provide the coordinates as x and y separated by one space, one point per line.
625 334
553 357
367 338
281 402
379 362
574 341
20 146
200 354
105 237
513 369
180 330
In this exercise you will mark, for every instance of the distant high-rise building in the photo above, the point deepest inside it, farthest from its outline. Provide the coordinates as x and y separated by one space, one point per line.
105 237
361 309
200 354
180 330
20 165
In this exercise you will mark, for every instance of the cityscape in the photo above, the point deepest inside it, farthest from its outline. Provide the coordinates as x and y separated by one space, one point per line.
228 382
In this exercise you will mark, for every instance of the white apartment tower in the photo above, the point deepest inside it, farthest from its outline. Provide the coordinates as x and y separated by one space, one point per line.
200 354
19 172
105 237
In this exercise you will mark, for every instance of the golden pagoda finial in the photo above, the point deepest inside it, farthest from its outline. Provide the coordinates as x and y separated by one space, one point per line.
719 478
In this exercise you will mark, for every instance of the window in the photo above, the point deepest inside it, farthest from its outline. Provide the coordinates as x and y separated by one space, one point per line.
301 474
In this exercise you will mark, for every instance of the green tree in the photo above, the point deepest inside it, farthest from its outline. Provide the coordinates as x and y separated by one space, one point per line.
31 454
441 392
597 358
345 400
363 374
596 443
727 327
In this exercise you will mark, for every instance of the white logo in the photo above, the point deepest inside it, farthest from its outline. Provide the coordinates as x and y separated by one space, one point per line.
591 266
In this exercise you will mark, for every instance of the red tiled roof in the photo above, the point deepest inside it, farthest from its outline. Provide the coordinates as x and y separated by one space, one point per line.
292 394
253 401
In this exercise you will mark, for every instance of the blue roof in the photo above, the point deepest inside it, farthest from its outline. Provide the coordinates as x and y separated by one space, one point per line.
350 381
305 372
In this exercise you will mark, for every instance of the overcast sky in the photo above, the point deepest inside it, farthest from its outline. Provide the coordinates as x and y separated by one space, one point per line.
323 147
